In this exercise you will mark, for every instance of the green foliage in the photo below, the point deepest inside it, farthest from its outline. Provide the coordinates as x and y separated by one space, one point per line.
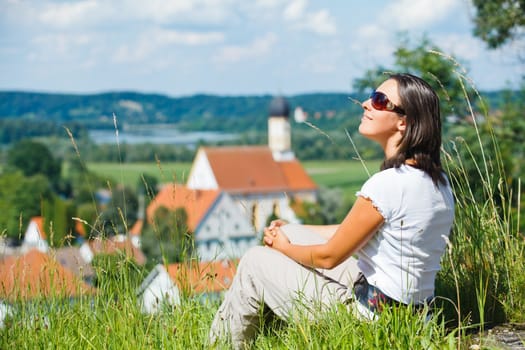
442 72
481 275
58 223
198 112
13 130
147 186
20 199
116 275
168 239
329 209
34 158
509 128
119 214
499 21
485 255
106 322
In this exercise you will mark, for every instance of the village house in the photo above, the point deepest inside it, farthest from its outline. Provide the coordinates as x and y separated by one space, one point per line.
35 236
233 191
219 228
262 180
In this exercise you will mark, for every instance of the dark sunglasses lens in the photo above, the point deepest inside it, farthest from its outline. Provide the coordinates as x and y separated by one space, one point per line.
379 100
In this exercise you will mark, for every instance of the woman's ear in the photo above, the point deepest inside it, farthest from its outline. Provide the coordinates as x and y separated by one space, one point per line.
402 123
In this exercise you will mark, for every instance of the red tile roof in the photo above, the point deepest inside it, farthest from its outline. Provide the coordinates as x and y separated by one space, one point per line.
204 277
296 177
248 169
38 274
195 202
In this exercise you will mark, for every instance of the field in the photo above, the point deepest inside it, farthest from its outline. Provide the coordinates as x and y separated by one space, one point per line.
347 175
480 285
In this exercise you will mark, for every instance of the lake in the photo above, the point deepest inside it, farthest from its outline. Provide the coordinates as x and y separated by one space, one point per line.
157 134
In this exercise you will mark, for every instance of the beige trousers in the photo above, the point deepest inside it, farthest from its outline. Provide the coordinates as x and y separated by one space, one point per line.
267 277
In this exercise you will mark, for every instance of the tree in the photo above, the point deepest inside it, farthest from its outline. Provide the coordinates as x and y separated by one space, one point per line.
499 21
119 215
21 198
147 186
34 158
329 210
168 239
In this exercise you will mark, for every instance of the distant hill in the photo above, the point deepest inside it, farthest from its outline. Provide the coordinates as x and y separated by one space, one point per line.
203 112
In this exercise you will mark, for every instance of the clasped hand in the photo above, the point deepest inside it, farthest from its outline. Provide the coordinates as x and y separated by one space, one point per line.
274 236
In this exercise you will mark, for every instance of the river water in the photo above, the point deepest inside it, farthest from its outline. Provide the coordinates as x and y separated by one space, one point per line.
157 134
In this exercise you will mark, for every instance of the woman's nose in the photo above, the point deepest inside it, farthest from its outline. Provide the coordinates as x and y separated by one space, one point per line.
366 105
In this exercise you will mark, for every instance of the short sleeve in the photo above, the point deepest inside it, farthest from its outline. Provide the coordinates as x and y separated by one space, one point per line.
380 189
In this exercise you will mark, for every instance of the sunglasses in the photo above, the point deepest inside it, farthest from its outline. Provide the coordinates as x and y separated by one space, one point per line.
381 102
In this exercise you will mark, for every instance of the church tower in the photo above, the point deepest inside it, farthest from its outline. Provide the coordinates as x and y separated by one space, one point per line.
279 132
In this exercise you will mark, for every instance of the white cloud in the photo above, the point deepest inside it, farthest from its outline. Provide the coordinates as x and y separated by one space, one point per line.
319 22
59 46
372 40
150 42
267 3
195 11
410 14
325 59
257 48
168 37
295 10
74 14
463 46
67 14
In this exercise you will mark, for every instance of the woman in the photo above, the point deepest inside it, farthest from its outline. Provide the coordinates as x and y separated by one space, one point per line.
395 228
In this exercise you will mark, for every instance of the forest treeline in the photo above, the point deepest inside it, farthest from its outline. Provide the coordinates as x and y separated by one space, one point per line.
197 112
44 114
64 116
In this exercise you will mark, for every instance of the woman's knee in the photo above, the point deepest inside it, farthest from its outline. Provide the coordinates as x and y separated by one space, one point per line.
254 256
258 259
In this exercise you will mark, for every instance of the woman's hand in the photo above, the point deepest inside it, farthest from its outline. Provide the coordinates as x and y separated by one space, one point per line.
276 223
274 236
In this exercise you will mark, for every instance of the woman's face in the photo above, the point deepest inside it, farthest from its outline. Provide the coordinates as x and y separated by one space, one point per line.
383 125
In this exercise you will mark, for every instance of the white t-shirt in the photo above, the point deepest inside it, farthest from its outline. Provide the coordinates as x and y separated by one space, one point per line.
403 257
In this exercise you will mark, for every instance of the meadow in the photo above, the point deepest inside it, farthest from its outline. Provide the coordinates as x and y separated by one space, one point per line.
348 175
480 284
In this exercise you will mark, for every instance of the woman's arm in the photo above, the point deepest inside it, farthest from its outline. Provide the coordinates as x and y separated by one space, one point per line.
325 231
359 225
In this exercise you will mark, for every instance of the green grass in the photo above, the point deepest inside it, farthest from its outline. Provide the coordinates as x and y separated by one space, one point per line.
129 174
482 277
119 324
481 282
347 175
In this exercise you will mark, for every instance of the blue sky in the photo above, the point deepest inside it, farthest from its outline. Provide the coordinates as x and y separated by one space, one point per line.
229 47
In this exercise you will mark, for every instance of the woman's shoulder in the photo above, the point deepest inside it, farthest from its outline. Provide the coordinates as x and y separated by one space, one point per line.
397 172
400 177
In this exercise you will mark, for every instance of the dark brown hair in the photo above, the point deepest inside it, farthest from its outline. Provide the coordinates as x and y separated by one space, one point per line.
422 138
